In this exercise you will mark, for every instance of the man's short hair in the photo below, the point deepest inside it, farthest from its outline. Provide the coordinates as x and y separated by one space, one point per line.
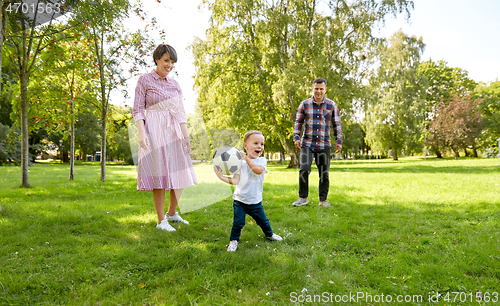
319 81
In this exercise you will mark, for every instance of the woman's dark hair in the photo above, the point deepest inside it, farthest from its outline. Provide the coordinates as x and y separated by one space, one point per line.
162 49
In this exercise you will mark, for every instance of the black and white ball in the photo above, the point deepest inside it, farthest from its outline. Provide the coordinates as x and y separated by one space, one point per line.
227 159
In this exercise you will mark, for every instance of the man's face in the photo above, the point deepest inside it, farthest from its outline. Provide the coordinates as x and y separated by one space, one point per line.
319 91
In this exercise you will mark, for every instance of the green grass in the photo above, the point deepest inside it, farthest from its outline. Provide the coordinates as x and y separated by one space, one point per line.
409 227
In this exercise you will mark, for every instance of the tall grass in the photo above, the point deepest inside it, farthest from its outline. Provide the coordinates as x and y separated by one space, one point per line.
411 227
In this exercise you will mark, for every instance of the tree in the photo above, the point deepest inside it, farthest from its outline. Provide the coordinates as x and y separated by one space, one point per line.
200 142
4 153
112 48
86 131
26 38
458 122
393 117
490 109
444 82
353 137
118 143
63 85
260 58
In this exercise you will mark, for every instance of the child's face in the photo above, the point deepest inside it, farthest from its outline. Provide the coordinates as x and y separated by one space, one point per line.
254 145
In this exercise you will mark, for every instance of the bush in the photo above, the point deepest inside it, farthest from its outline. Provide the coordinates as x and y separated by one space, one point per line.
489 153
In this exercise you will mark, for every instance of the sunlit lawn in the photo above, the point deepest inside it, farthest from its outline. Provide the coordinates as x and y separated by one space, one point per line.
409 227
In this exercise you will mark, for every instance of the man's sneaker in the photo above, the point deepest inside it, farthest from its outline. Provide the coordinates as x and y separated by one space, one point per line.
165 226
175 218
275 237
233 245
300 202
324 203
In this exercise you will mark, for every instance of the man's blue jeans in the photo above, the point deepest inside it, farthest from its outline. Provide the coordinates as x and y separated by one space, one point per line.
256 211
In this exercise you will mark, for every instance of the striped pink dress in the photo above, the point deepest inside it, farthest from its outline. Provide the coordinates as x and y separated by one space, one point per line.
164 164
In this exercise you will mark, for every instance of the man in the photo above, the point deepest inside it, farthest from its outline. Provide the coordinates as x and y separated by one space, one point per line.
317 113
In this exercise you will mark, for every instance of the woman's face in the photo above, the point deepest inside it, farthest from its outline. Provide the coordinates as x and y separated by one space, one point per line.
164 65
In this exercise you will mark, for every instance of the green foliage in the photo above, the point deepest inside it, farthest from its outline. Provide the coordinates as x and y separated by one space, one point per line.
200 142
458 123
6 101
490 109
120 150
353 137
260 58
411 227
4 153
489 153
86 132
11 144
444 82
394 114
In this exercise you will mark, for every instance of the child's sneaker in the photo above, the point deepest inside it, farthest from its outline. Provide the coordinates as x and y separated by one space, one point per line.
176 218
275 237
165 226
233 245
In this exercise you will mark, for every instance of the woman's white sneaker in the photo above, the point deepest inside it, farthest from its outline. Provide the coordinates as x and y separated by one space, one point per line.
176 218
165 226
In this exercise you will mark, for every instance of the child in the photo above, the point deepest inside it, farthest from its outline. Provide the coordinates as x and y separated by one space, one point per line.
248 193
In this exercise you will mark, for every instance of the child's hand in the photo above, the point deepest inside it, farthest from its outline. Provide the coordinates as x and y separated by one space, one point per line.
243 155
218 172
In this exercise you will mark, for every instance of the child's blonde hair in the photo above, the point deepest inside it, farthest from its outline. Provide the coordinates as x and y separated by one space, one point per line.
250 133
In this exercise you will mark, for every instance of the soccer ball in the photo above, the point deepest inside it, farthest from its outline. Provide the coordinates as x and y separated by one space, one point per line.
227 159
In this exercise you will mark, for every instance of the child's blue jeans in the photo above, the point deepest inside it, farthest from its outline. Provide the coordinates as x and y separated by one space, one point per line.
256 211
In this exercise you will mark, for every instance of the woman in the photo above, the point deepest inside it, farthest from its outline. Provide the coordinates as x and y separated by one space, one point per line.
164 155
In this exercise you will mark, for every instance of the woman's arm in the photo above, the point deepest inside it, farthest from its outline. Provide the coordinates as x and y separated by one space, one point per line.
184 130
143 139
186 142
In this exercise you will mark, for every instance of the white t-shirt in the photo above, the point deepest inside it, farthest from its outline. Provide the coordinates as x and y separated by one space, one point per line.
249 189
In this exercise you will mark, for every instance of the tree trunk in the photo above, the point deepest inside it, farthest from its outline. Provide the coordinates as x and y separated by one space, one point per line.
24 120
438 152
3 28
465 151
294 161
457 153
72 143
65 156
103 146
394 154
474 149
104 106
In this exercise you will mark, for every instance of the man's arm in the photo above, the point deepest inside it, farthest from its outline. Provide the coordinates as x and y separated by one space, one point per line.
299 121
337 128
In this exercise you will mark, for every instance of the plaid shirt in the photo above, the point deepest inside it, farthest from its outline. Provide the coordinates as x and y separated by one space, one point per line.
317 118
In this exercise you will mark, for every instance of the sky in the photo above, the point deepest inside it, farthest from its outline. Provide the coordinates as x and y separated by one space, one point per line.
464 33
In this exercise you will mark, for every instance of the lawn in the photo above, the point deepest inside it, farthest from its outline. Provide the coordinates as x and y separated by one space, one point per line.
410 229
